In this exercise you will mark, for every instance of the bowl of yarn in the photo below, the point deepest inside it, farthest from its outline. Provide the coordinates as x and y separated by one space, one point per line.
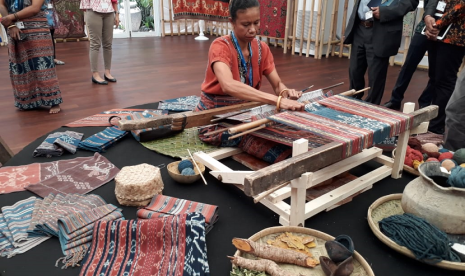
185 171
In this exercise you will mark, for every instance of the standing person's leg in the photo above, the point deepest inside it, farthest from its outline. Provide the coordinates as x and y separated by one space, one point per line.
377 70
455 116
57 61
94 23
107 41
416 52
358 62
448 59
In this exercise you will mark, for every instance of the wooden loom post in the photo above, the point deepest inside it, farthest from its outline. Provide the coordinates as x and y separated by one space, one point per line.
333 48
294 27
299 188
320 52
304 11
162 9
185 27
401 150
178 26
318 27
331 28
310 28
344 19
171 17
286 29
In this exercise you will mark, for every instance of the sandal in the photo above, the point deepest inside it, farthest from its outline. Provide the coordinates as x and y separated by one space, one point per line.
59 62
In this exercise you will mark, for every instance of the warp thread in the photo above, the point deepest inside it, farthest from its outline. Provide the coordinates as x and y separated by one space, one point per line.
426 242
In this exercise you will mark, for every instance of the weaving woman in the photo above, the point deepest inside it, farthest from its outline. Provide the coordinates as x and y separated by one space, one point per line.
32 70
238 62
236 66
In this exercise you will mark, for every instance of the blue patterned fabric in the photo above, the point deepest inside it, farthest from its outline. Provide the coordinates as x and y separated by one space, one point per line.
99 142
56 143
180 104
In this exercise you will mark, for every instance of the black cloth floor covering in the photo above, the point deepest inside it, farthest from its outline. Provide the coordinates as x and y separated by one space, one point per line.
238 215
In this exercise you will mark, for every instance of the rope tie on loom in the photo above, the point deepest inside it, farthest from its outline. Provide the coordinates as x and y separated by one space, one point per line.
426 242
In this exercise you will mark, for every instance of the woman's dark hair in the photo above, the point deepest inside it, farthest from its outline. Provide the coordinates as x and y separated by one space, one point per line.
235 5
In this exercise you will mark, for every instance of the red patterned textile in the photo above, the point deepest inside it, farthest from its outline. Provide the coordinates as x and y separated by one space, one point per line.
269 151
273 18
70 23
211 10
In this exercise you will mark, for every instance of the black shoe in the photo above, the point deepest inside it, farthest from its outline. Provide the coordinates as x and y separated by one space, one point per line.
99 82
358 96
108 79
392 105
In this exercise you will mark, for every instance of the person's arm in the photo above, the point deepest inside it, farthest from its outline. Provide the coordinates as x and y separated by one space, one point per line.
279 86
451 14
397 10
243 91
115 7
27 12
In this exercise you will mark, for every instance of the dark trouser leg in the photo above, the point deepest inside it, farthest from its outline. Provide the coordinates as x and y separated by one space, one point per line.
455 116
416 52
377 72
358 62
52 32
444 63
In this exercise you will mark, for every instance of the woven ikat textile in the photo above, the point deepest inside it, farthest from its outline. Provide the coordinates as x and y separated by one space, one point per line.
211 10
102 119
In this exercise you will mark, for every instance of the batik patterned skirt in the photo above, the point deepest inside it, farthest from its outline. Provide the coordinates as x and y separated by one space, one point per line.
32 70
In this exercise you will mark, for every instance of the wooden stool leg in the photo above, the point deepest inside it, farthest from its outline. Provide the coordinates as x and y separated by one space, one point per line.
398 165
299 188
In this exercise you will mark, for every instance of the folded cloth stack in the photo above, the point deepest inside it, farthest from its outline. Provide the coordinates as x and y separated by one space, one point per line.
162 206
56 143
173 245
99 142
14 222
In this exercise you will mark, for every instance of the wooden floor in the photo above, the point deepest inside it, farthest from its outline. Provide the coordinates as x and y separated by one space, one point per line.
149 70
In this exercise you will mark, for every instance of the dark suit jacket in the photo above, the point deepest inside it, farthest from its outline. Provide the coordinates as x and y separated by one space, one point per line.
387 30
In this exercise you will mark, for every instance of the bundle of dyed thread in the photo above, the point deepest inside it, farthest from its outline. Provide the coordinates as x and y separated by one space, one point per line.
185 167
457 177
426 242
411 156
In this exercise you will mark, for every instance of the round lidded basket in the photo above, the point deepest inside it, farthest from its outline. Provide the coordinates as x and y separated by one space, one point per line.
185 179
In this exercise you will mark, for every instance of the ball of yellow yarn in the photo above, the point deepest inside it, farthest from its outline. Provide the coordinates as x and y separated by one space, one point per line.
416 163
430 147
448 164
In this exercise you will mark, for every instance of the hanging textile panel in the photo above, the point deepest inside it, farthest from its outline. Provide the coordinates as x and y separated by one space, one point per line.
15 179
173 245
353 139
103 119
70 23
408 24
211 10
273 18
81 179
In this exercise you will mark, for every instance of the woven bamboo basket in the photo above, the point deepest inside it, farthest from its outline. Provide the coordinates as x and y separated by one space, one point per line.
406 168
390 205
185 179
361 267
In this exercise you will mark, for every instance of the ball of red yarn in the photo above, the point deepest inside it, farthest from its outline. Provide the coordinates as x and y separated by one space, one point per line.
445 155
431 159
412 155
414 143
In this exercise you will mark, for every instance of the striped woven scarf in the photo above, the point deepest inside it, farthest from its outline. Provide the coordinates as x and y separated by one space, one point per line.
99 142
162 206
75 231
14 222
173 245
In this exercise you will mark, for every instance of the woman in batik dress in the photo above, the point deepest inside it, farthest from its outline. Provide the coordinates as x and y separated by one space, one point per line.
32 70
238 62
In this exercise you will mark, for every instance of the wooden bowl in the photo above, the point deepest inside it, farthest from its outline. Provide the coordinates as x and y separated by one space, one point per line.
390 205
186 179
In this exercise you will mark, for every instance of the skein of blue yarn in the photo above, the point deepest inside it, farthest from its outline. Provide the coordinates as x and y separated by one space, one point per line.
443 150
188 171
185 164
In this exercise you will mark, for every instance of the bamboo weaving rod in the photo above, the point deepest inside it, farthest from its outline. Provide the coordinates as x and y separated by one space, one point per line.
246 132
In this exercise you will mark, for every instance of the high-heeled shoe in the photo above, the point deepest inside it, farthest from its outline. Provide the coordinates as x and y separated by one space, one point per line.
108 79
99 82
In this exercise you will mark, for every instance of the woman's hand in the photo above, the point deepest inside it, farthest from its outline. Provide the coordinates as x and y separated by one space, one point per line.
7 20
293 94
116 20
291 105
14 33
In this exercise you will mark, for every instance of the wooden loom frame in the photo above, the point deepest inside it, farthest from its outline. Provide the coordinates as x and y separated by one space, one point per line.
306 169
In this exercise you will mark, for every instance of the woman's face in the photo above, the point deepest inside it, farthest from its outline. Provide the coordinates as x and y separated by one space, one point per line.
247 24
